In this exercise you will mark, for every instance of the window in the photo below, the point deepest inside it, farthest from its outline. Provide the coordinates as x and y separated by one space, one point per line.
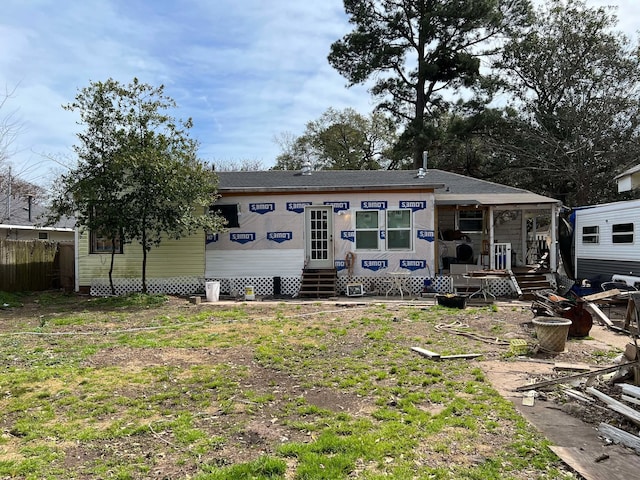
399 229
591 234
228 212
43 235
367 230
622 233
102 244
470 220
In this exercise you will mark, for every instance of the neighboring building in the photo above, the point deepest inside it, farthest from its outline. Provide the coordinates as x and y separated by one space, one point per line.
364 224
629 179
21 219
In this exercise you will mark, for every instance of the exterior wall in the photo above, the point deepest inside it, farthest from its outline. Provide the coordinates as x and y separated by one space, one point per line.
265 258
604 259
173 259
32 234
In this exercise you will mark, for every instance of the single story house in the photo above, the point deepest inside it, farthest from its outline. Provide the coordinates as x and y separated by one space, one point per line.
367 227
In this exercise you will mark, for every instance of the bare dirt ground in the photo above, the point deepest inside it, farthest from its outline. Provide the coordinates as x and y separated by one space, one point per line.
509 321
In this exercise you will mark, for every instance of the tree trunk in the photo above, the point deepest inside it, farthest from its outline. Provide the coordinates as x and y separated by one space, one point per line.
113 256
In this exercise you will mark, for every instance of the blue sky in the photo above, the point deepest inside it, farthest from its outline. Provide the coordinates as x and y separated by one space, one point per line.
244 70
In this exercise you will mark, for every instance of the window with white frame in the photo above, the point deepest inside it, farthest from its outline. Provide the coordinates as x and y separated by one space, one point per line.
622 233
399 230
367 230
470 220
591 234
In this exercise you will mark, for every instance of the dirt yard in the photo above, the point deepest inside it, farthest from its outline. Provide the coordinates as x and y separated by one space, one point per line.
269 355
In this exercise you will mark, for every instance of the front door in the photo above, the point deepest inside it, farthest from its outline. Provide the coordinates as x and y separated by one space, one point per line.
319 236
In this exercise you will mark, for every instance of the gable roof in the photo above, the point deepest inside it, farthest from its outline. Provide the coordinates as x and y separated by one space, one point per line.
450 188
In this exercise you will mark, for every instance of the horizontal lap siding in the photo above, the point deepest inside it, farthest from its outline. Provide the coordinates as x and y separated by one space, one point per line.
254 263
173 258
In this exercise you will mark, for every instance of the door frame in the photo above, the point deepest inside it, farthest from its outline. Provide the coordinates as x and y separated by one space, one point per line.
321 262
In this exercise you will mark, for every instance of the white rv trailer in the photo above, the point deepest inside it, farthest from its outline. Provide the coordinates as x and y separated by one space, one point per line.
607 242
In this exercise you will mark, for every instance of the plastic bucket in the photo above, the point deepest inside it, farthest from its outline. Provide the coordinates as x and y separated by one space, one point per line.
249 292
212 291
552 333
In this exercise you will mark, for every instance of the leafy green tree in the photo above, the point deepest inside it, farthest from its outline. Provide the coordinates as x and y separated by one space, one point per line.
138 175
417 52
340 140
575 81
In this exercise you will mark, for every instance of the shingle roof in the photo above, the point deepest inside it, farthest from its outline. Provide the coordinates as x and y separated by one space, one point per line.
18 214
449 187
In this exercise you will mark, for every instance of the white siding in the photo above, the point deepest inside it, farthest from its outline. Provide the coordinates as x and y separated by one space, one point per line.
604 217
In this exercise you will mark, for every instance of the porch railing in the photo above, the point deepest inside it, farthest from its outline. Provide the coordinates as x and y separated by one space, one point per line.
501 256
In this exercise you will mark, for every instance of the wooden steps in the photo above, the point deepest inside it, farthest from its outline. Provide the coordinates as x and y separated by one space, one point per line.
530 283
318 283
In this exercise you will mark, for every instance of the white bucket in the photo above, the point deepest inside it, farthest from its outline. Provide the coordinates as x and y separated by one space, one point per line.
249 292
212 290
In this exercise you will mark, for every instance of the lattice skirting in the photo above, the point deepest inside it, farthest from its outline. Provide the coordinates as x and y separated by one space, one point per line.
289 286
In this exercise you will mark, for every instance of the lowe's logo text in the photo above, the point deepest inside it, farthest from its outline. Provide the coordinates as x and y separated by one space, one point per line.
211 237
340 265
413 264
374 265
338 206
349 235
279 236
297 207
243 237
374 205
428 235
413 204
262 208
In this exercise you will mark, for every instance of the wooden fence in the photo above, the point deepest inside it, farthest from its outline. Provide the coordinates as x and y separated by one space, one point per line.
35 265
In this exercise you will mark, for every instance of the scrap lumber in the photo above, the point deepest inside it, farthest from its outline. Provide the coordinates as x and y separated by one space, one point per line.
426 353
629 399
568 378
617 435
601 295
612 466
616 406
631 390
600 314
436 356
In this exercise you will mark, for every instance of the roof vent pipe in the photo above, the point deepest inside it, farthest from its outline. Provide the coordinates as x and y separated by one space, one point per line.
306 168
423 169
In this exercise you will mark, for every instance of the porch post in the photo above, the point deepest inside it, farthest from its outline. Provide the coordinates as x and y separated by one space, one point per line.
553 249
492 256
523 236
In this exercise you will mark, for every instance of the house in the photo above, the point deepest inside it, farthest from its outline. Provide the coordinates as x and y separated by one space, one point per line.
20 219
364 227
629 179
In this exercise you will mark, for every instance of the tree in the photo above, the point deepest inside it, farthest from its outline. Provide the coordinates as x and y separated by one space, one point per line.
417 50
576 83
138 175
340 140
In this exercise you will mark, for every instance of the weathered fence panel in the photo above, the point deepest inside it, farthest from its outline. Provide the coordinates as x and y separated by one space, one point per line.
30 265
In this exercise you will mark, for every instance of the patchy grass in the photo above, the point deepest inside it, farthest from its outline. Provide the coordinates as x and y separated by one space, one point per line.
154 387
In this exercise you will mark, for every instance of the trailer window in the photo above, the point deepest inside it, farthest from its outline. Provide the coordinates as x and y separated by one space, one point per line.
622 233
591 234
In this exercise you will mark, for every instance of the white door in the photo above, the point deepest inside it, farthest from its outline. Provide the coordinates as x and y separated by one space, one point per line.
319 236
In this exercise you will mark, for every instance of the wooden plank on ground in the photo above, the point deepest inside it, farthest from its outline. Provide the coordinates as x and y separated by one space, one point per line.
620 436
561 366
601 295
568 378
631 413
599 313
611 466
630 390
426 353
462 355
